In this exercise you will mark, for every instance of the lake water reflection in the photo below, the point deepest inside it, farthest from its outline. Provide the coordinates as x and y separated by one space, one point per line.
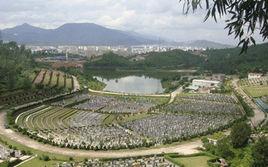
133 84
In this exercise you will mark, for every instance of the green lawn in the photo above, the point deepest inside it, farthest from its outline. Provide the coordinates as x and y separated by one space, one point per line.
256 91
36 162
197 161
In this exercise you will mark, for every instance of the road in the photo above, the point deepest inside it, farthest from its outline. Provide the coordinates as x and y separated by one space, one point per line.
127 94
181 148
259 115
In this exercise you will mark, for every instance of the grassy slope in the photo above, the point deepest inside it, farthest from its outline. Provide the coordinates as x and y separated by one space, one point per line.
198 161
256 91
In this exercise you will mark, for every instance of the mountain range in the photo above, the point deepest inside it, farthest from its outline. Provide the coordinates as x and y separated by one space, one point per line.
89 34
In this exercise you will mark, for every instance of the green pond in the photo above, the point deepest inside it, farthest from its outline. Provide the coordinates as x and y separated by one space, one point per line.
133 84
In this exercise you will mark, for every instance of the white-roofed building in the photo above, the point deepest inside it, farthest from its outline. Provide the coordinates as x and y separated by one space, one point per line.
205 83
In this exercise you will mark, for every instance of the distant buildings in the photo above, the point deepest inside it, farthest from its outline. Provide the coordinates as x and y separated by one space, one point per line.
254 75
95 51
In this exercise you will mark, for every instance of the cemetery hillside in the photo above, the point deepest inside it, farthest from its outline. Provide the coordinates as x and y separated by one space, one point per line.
156 83
173 108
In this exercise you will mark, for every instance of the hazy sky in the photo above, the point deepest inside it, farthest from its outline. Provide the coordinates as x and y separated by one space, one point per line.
161 18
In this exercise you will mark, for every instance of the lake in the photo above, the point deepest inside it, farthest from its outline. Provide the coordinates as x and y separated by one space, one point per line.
133 84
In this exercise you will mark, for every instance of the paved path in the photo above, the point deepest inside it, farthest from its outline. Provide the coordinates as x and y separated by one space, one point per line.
174 94
182 148
29 159
259 115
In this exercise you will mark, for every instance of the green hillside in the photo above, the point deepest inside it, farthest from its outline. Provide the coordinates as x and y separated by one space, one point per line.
172 59
230 61
110 60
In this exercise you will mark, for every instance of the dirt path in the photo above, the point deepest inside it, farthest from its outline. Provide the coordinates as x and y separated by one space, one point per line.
183 148
76 86
259 115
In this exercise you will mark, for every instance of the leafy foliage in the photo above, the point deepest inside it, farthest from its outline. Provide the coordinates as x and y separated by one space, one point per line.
224 149
15 66
244 18
172 59
240 134
229 61
110 60
260 153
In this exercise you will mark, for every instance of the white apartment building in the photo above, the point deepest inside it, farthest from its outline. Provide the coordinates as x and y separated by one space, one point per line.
254 75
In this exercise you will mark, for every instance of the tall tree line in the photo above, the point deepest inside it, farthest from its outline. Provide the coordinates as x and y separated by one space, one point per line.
16 62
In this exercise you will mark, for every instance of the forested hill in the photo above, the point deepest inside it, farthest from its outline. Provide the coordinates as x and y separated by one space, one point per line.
171 60
228 61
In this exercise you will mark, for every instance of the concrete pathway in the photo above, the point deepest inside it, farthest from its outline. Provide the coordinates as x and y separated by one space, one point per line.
259 115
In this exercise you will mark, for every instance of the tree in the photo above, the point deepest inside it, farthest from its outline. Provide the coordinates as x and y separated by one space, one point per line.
224 149
244 17
260 153
240 134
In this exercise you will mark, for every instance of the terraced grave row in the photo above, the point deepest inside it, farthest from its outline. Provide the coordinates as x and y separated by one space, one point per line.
22 97
75 128
53 78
